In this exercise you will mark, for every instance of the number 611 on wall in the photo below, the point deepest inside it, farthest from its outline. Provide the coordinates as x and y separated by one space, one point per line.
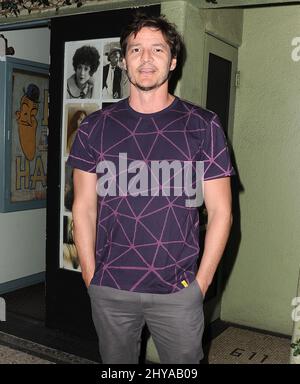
24 134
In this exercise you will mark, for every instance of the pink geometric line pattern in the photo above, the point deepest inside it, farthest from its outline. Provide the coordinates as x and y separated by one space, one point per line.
149 243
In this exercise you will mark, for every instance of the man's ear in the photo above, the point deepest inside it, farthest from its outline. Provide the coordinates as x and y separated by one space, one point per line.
173 64
124 64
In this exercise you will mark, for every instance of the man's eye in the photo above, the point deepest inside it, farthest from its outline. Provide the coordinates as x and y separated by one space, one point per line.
134 50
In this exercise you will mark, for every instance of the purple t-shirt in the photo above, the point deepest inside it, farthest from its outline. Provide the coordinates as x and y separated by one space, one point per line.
148 242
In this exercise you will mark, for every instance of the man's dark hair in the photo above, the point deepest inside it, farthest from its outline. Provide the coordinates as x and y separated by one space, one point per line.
160 23
87 55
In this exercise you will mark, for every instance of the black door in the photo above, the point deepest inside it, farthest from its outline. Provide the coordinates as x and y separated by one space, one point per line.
219 95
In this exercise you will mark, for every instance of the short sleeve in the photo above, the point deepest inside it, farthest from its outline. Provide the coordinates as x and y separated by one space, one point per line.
81 154
215 152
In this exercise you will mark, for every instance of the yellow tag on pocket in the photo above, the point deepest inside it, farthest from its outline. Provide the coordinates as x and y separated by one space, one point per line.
184 283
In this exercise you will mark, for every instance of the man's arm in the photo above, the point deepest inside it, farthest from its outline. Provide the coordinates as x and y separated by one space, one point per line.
217 197
84 217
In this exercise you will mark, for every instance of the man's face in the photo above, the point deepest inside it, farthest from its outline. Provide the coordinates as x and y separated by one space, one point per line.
114 58
148 59
82 74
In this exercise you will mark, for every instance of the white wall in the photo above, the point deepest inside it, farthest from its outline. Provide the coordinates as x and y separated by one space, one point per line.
23 233
31 44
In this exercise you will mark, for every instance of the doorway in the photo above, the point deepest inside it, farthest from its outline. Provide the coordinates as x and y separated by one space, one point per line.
220 80
218 95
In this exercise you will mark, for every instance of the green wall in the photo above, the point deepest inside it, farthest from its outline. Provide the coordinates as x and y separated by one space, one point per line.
192 23
264 277
266 142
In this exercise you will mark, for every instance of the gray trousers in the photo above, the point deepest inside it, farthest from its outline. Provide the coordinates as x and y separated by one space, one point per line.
175 321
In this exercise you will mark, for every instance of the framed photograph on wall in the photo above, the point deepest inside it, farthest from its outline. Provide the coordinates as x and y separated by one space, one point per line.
24 139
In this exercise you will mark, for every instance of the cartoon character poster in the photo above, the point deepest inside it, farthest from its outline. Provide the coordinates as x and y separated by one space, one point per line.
29 136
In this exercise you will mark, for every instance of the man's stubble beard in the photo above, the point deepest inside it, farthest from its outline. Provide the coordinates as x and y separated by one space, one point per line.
150 88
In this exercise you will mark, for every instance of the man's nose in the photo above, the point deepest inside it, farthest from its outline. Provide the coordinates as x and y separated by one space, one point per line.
146 55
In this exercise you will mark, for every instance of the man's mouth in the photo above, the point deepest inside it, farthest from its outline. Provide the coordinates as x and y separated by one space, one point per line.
147 70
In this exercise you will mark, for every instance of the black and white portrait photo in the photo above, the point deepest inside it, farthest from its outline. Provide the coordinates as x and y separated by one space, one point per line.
115 84
82 69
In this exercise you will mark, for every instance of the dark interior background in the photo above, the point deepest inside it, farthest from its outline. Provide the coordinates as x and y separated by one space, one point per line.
67 301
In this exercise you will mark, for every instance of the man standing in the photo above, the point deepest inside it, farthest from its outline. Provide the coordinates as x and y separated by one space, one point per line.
138 245
112 74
